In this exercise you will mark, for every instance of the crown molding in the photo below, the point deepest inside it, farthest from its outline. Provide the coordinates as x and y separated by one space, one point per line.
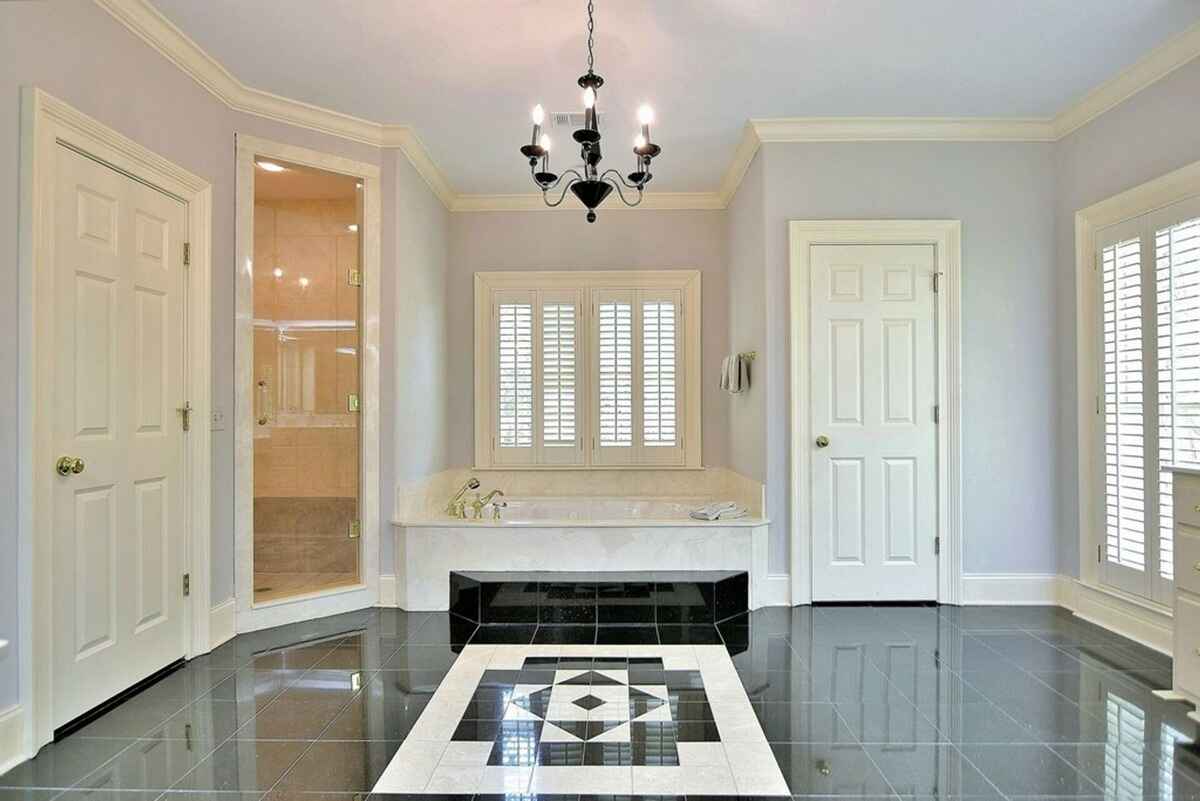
653 201
902 129
144 20
149 24
1149 69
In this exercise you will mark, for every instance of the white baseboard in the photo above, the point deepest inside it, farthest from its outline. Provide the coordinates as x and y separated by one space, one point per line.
1141 621
222 622
387 590
774 589
1010 589
12 738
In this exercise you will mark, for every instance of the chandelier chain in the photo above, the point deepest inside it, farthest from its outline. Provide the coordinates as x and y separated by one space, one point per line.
591 27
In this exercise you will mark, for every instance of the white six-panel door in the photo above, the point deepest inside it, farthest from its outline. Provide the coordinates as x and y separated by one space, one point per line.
119 520
874 448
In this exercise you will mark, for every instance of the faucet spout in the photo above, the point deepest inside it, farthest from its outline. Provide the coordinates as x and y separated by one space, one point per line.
486 499
452 507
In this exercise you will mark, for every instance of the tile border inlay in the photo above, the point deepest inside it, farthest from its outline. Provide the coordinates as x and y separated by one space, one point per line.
613 739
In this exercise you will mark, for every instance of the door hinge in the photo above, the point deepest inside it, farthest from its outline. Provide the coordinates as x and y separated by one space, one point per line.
352 404
185 413
937 546
937 281
1100 553
187 584
937 413
354 278
355 529
1097 404
187 254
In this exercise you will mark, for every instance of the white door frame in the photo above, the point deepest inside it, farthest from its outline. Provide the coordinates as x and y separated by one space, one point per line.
252 616
45 122
945 236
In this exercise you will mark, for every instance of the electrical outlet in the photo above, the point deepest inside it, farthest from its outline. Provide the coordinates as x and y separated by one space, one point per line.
218 419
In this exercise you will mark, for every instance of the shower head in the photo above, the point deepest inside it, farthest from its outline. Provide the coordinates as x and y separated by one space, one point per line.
473 483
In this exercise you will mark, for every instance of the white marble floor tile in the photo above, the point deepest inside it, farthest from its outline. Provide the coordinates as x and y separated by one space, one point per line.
461 752
709 780
755 771
411 767
657 779
505 779
454 779
600 780
693 755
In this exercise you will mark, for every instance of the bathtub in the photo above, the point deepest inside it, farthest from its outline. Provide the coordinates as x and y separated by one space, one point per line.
598 534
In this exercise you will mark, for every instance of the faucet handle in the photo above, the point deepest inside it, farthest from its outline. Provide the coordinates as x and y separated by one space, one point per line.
496 507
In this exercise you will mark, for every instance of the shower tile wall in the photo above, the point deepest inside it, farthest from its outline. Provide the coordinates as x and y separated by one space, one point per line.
306 366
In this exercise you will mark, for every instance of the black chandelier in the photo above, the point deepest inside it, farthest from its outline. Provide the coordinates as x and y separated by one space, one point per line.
592 186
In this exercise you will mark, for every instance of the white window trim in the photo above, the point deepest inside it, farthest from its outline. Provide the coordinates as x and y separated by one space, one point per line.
1174 187
684 281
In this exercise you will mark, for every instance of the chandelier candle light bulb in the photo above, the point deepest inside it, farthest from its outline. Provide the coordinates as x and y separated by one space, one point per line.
592 185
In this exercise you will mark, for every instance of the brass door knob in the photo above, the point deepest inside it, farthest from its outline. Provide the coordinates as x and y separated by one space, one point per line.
69 465
822 441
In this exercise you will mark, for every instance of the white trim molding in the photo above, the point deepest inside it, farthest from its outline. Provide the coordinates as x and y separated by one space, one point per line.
1173 187
1011 589
223 625
12 738
387 589
144 20
1142 621
46 122
945 236
252 616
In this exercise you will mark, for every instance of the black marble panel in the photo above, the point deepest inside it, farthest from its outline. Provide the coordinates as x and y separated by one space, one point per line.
509 602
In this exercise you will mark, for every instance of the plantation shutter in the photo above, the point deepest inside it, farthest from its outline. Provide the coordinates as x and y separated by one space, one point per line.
561 439
1177 275
661 369
1150 271
614 376
514 372
1124 426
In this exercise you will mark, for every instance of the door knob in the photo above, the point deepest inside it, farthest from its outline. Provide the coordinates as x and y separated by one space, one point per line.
69 465
822 441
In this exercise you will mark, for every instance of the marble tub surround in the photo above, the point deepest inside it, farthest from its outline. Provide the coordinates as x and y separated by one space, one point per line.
427 554
425 499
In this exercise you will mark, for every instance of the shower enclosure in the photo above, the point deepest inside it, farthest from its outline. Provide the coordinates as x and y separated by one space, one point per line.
306 308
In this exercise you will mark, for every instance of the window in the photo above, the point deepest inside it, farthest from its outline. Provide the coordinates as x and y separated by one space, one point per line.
588 369
1149 271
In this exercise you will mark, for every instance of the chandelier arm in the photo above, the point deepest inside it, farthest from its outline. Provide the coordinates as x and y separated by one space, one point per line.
617 185
563 195
621 178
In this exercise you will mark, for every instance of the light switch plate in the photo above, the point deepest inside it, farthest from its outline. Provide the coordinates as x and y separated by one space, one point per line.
218 419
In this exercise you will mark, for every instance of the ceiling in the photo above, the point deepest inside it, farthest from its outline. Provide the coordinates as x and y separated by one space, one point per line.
464 73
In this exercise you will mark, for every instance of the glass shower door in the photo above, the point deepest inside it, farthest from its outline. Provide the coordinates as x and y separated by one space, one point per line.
306 372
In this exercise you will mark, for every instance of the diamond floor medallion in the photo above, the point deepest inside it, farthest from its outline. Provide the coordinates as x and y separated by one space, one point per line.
593 720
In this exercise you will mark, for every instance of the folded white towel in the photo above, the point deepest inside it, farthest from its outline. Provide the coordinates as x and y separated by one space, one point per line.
722 510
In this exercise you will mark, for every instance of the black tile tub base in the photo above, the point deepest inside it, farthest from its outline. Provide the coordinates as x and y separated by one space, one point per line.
629 598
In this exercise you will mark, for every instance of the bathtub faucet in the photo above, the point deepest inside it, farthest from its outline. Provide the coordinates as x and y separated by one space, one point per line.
479 503
454 507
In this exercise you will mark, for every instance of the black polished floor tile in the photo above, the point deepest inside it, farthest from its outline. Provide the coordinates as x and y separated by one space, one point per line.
565 635
422 657
64 763
339 766
931 771
498 634
626 635
829 769
625 603
1029 770
571 603
509 602
688 635
684 602
243 765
